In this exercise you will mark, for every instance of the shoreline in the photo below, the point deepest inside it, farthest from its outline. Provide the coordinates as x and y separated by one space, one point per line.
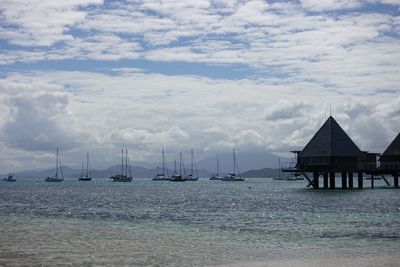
339 261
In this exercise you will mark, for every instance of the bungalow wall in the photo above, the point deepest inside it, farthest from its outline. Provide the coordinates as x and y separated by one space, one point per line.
391 162
370 161
325 163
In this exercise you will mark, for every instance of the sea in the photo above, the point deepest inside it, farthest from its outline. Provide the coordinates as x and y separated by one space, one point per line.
257 222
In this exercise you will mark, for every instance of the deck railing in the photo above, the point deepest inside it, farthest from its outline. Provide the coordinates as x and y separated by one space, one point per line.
390 165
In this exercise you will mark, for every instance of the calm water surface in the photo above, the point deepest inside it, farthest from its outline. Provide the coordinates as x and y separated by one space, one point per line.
146 223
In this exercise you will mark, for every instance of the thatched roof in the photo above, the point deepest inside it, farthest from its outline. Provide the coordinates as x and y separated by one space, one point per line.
394 147
331 140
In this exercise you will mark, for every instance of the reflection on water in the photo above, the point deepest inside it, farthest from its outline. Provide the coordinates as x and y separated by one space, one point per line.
147 223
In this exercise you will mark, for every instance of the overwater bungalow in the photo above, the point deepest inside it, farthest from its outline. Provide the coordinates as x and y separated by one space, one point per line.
390 160
332 151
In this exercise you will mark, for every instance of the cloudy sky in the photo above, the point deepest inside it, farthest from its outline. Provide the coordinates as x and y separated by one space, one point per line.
93 75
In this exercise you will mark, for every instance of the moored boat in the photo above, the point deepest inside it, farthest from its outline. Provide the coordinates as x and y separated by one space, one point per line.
191 176
10 178
279 176
86 177
56 178
178 177
233 177
123 177
161 176
294 177
216 176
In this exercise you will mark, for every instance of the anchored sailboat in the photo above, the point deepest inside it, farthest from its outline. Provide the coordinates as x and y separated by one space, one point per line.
10 178
123 177
178 177
292 177
190 177
279 176
86 177
56 178
233 177
161 176
216 176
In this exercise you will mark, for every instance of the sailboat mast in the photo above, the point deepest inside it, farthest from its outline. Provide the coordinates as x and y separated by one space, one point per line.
191 158
279 161
122 162
234 162
217 166
163 161
62 173
126 162
130 169
82 169
128 165
175 166
87 164
180 163
57 163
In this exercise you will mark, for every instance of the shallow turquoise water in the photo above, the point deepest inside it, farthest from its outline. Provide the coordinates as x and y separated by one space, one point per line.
146 223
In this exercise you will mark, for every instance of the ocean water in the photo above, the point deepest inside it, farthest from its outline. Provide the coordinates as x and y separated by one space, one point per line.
204 223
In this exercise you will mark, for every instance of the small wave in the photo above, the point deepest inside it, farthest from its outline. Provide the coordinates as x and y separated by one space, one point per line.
361 235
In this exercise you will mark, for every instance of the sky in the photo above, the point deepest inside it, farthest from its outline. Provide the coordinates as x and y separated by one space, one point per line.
95 76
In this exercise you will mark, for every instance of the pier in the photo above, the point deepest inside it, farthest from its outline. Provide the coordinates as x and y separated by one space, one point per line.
331 153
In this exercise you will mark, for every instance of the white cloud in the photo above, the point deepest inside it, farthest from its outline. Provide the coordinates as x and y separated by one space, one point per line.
145 112
330 4
297 63
387 2
287 110
349 51
40 23
37 119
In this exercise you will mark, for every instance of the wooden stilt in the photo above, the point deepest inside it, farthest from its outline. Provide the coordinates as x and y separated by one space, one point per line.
316 180
350 180
326 179
360 180
344 178
396 180
332 180
372 181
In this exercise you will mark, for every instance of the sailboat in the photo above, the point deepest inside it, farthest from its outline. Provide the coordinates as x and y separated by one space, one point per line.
216 176
292 177
279 176
123 177
233 177
86 177
56 178
178 177
190 177
10 178
161 176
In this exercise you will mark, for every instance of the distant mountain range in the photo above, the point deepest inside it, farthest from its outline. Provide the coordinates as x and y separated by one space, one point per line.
138 172
246 161
251 164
